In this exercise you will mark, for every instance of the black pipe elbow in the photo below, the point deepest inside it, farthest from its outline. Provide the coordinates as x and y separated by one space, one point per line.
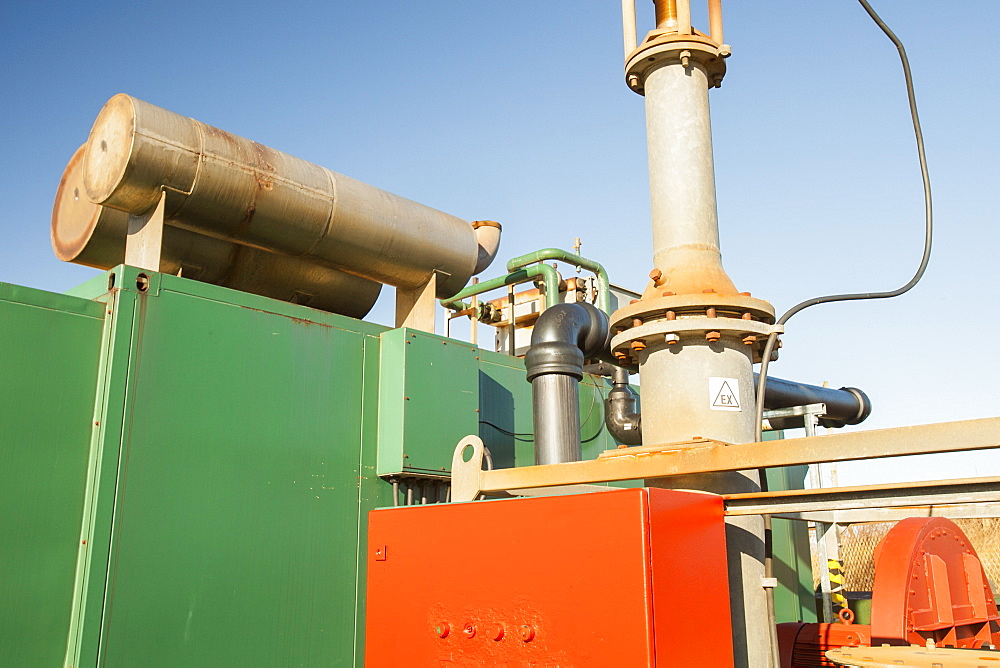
621 410
563 337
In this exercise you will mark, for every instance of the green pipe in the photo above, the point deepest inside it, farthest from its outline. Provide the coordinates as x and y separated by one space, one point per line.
603 284
545 272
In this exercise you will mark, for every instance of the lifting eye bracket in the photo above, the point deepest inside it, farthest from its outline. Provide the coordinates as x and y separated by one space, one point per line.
465 478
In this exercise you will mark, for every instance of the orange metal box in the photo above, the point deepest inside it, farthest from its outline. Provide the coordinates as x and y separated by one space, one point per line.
632 577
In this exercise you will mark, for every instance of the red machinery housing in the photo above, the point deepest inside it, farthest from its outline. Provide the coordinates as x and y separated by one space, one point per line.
929 585
631 577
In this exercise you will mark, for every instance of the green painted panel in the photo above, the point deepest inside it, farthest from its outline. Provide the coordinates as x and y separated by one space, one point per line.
505 422
94 287
49 351
374 492
123 278
428 400
236 525
102 476
505 412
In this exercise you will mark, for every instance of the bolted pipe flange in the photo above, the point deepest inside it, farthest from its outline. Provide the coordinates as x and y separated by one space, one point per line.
693 317
661 47
732 306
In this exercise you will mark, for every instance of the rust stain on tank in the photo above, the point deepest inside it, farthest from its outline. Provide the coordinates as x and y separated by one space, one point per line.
263 165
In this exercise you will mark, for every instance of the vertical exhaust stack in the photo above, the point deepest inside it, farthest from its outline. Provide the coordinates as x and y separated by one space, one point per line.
693 335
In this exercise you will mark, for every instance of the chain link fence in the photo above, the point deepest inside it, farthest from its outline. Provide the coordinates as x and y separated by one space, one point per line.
858 541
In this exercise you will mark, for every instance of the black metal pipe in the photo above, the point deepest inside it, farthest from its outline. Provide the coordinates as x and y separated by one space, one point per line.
564 336
844 406
622 416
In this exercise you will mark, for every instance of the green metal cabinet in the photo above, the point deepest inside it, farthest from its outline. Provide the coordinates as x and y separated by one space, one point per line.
186 476
186 470
50 349
236 524
428 401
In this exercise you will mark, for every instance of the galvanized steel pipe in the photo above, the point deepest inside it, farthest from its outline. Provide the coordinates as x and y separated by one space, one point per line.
682 181
679 381
235 189
94 235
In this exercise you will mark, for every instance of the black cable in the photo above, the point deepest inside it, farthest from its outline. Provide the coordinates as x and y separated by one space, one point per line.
593 403
508 433
928 230
773 337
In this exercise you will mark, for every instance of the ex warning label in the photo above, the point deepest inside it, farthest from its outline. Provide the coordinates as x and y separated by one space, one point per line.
724 394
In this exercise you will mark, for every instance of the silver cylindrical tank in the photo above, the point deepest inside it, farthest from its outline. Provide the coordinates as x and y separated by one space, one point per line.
232 188
94 235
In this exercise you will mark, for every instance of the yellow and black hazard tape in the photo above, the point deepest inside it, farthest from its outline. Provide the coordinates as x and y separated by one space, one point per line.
836 569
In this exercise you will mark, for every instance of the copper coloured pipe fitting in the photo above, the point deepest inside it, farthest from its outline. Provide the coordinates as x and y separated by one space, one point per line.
666 13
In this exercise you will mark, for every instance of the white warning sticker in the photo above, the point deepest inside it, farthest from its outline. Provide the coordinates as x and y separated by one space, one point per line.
724 394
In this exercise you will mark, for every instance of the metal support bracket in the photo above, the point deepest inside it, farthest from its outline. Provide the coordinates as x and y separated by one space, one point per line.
814 410
145 237
823 504
416 308
468 481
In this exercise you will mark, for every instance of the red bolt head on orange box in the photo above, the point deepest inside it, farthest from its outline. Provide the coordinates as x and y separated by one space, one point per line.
631 577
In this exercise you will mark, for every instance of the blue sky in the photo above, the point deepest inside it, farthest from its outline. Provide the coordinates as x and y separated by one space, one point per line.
517 112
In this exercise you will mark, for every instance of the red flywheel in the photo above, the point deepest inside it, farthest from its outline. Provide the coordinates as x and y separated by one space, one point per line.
930 585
